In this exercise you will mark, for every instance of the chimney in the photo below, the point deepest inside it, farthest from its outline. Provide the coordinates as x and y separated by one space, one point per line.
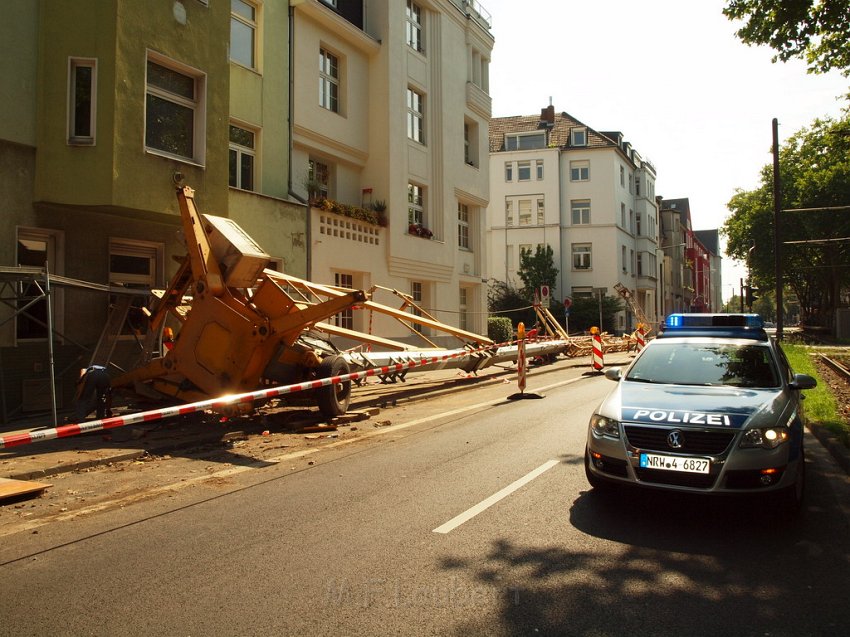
547 115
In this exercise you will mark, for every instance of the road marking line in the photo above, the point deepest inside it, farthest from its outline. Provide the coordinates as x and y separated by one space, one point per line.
493 499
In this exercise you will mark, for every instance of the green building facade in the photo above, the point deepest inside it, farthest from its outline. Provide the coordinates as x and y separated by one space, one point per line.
112 104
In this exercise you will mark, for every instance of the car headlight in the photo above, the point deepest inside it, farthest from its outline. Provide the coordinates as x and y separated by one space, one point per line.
767 438
602 426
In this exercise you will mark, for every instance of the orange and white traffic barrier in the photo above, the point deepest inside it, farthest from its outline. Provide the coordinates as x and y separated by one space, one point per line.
521 364
641 341
596 360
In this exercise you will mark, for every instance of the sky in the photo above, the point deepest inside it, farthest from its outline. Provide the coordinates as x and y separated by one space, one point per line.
671 76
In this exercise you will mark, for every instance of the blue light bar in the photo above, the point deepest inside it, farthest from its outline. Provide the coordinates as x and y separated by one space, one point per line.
683 321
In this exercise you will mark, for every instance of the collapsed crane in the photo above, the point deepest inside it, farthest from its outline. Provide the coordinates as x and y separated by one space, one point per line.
242 326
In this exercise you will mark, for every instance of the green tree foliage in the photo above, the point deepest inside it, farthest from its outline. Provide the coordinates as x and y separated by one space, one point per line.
584 313
817 31
505 300
815 170
537 269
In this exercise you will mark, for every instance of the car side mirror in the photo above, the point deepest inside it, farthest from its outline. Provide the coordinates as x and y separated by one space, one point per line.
803 381
613 373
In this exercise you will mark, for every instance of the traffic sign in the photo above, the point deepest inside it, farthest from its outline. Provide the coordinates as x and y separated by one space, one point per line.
567 302
544 295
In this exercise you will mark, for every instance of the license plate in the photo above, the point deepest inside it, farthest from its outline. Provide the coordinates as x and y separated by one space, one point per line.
674 463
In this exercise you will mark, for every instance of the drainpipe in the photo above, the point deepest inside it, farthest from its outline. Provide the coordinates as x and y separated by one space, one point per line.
291 123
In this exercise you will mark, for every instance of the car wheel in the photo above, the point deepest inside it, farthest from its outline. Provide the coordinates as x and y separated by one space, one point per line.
333 400
597 483
790 499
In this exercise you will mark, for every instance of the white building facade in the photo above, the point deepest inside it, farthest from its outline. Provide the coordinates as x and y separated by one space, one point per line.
389 119
588 195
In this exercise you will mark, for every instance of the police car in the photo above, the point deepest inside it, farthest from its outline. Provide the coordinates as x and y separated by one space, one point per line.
711 405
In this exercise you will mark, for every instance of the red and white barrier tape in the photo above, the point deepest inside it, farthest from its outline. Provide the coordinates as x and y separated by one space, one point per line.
64 431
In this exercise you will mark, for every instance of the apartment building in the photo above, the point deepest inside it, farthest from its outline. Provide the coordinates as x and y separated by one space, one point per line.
587 194
391 107
690 278
101 122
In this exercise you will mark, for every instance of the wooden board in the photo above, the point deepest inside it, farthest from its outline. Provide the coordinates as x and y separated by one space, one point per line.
14 488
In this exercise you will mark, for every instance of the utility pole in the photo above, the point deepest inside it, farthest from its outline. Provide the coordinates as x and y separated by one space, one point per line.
742 295
777 234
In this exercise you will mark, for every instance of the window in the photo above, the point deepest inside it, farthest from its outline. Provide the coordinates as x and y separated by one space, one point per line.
523 169
623 215
318 176
580 212
622 176
541 212
416 297
639 264
525 212
509 171
463 309
243 33
242 148
174 109
82 91
415 205
480 71
623 259
328 81
524 248
632 261
637 223
344 319
134 264
579 171
414 26
581 256
470 142
415 116
578 136
631 221
463 226
539 169
509 212
36 249
637 184
525 141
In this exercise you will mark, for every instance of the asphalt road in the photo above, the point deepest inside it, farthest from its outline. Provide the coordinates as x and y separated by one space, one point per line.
471 518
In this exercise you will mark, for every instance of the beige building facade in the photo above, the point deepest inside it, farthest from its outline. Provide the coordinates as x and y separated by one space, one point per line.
391 107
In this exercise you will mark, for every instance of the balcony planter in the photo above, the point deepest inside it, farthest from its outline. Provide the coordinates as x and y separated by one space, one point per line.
418 230
365 215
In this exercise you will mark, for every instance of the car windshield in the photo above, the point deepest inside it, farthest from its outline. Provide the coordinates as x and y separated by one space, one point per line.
742 365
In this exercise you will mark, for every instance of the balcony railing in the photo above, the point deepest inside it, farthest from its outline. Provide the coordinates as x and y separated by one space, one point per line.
475 10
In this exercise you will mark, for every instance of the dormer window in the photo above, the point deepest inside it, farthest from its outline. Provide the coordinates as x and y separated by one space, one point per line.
525 141
578 136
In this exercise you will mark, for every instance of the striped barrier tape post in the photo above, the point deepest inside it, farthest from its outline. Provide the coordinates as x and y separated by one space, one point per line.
520 357
641 342
596 359
65 431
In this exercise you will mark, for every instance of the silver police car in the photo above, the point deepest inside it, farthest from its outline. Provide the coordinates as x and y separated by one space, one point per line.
709 406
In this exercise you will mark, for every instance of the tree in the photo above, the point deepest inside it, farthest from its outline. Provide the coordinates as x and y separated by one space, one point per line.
537 269
505 300
815 169
817 31
584 313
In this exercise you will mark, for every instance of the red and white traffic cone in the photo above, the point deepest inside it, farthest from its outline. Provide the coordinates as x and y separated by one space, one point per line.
596 360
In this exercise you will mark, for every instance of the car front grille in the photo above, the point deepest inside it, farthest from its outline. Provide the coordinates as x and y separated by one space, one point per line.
702 442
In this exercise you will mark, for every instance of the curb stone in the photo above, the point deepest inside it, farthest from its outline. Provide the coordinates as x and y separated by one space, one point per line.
837 450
